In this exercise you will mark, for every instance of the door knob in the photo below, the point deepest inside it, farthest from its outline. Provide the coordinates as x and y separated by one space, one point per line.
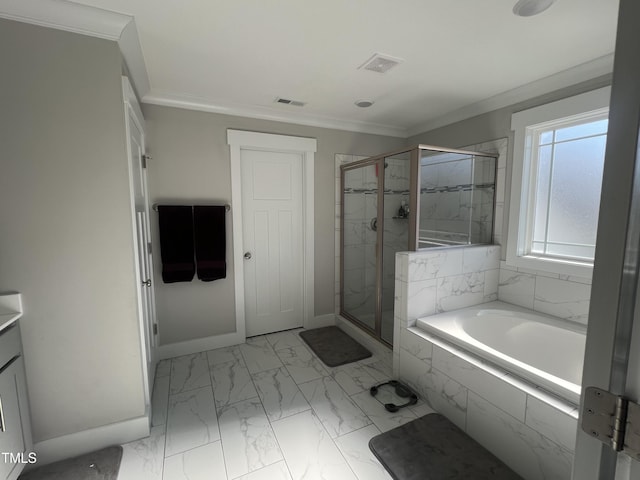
247 255
147 283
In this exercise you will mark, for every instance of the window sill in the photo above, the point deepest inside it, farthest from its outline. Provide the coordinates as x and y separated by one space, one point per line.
545 264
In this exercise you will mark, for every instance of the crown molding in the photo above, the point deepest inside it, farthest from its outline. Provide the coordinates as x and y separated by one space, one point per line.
190 102
566 78
85 20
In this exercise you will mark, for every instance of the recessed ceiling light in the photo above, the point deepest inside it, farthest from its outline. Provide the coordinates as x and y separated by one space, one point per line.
529 8
364 103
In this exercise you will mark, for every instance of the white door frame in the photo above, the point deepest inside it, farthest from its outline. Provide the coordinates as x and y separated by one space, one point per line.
239 140
132 112
611 354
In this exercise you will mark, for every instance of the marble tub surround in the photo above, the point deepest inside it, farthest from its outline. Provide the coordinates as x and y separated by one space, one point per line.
295 419
527 428
532 431
440 280
562 296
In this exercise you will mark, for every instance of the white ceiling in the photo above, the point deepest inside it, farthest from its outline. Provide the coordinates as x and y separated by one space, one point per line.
237 56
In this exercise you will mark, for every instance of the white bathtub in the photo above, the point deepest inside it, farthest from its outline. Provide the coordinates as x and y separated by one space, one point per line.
543 350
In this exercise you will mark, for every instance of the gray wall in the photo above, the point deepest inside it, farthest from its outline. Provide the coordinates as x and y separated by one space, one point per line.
495 125
66 235
191 163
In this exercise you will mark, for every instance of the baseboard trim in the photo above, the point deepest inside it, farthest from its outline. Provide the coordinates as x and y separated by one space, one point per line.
321 321
74 444
199 345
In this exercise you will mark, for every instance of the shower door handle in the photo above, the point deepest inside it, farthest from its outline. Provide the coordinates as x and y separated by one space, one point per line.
247 256
374 224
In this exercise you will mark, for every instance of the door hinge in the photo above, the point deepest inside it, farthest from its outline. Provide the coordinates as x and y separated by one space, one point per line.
143 160
612 419
155 328
149 247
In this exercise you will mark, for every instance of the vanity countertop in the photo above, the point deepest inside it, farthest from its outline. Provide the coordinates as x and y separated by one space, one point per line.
10 309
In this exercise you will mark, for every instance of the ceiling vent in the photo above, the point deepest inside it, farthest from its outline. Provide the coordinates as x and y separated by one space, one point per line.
380 63
286 101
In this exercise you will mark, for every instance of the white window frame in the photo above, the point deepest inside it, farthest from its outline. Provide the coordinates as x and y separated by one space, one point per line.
519 209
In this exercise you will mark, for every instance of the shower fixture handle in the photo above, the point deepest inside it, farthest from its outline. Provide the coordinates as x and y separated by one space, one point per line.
247 255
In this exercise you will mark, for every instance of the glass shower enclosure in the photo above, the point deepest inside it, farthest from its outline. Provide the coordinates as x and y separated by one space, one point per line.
421 197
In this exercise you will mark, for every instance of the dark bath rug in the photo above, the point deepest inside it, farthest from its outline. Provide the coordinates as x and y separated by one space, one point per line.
100 465
333 346
433 448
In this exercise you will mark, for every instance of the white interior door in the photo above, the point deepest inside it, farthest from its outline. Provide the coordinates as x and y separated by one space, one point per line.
272 212
612 361
144 271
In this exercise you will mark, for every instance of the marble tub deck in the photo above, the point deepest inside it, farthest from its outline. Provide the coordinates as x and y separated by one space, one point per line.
268 409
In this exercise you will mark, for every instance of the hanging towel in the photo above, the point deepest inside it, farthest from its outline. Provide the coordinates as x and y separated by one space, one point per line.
176 243
210 240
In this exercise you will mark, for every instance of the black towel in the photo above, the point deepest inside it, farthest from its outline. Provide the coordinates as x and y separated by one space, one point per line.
176 243
210 240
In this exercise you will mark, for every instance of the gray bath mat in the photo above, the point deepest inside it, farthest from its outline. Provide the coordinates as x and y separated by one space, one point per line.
100 465
333 346
433 448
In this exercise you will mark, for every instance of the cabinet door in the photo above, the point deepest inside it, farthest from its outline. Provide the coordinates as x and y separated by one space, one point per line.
11 435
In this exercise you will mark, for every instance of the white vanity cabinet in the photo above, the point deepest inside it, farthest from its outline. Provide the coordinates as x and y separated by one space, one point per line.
15 424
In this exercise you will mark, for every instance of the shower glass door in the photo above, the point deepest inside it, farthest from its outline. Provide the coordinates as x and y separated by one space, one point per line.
359 295
395 235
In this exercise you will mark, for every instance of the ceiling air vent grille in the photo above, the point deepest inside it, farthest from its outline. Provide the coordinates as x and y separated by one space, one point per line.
380 63
286 101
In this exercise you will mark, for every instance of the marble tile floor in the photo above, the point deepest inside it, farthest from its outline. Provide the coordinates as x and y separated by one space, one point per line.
268 409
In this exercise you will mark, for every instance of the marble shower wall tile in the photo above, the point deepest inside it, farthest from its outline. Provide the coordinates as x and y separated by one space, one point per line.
189 373
334 408
280 395
249 442
526 451
192 421
499 147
